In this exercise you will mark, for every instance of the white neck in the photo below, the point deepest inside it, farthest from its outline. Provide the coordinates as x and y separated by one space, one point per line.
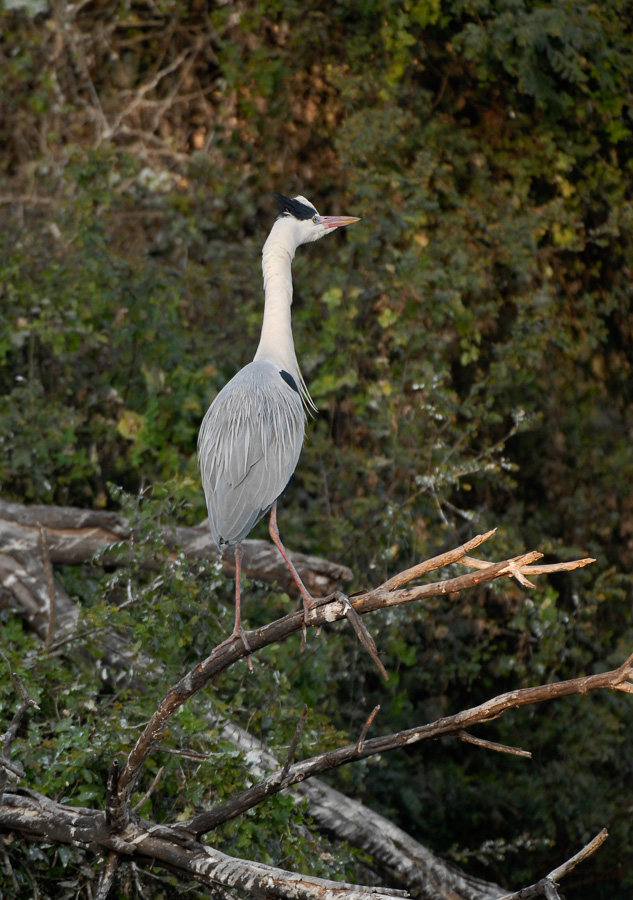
276 344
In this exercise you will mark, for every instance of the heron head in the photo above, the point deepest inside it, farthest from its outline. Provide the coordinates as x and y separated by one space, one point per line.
302 221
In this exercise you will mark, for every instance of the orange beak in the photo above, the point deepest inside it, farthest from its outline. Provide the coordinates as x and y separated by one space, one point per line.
337 221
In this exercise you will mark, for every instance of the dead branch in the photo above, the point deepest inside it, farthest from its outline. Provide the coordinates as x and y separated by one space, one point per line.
372 715
447 726
547 887
363 634
394 852
148 793
436 562
399 856
492 745
106 878
325 611
294 742
48 572
38 817
532 570
31 813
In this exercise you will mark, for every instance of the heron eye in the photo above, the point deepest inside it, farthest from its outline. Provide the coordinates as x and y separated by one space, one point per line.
314 219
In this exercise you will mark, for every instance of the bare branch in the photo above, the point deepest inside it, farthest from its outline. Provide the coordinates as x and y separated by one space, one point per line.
10 734
15 768
364 636
294 742
9 870
448 725
148 844
106 879
109 131
593 845
547 887
326 610
546 568
492 745
366 727
112 812
436 562
393 852
148 793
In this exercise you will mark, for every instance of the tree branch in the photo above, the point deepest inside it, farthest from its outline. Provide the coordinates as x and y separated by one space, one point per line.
106 878
448 725
491 745
393 852
436 562
328 610
547 887
143 842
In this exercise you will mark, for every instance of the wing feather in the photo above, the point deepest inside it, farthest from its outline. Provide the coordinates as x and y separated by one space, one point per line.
248 448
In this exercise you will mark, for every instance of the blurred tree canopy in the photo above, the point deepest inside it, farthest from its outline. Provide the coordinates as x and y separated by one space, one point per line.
469 345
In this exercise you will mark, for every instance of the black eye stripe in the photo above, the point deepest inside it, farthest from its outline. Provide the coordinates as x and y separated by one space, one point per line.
287 377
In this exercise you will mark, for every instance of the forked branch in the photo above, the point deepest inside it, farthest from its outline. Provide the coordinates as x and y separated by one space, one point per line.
330 609
447 726
548 886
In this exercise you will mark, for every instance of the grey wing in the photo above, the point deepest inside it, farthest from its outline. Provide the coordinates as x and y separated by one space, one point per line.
249 445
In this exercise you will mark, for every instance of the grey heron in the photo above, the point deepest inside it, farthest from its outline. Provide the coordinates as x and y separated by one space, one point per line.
251 436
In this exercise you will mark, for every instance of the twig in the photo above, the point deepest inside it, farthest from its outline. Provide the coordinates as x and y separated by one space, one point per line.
436 562
364 636
492 745
137 881
76 637
9 870
26 199
366 727
6 659
148 793
186 754
10 734
547 887
139 93
294 742
475 563
50 584
587 850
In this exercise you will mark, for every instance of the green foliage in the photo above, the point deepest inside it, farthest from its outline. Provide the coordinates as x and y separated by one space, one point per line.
469 346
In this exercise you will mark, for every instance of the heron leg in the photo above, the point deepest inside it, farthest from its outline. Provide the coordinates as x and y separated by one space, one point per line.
308 600
238 630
